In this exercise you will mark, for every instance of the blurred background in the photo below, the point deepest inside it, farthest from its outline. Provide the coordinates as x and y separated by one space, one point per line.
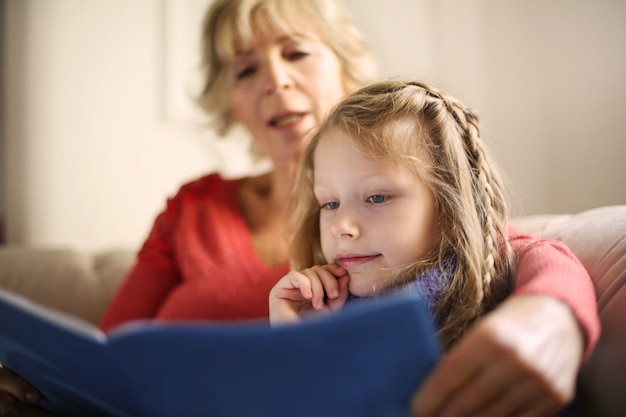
97 128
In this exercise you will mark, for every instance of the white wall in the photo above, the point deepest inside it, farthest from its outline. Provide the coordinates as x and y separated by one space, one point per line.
96 135
91 152
545 76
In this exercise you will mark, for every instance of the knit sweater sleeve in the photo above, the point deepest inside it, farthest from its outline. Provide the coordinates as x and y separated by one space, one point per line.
548 267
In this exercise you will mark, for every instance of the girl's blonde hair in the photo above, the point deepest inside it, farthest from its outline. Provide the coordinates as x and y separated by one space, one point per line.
233 24
445 150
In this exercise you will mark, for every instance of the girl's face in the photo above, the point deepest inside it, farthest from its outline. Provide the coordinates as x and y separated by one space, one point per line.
376 216
284 86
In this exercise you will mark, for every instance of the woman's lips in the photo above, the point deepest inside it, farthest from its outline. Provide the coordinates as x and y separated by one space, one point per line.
352 261
286 120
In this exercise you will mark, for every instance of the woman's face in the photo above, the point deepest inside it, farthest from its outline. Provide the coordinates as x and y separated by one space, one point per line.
284 86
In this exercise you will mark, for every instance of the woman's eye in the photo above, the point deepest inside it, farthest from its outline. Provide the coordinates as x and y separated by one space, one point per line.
377 198
296 55
245 72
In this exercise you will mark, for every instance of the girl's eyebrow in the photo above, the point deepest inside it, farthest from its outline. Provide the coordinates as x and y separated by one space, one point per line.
319 184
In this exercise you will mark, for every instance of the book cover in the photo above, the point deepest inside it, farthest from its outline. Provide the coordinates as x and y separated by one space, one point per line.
366 360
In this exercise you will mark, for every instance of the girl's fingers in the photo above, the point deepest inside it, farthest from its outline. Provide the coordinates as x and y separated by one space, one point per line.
316 288
324 283
337 303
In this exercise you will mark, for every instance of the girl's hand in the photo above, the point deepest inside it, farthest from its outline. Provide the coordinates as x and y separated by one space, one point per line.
520 360
319 288
18 397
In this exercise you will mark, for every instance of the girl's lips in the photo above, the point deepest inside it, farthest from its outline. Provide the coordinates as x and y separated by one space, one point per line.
352 261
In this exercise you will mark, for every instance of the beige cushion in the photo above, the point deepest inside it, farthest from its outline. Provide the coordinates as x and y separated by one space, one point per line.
74 282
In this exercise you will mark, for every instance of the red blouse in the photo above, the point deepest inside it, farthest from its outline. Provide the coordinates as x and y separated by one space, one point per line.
199 263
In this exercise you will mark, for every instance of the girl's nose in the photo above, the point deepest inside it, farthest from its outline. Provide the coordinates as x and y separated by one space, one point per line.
277 77
344 225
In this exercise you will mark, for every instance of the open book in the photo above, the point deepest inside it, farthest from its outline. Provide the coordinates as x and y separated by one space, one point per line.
366 360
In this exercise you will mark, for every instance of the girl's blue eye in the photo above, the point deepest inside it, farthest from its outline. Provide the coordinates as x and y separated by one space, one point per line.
377 198
333 205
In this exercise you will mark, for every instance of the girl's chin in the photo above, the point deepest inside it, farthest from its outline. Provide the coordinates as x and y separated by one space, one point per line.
362 290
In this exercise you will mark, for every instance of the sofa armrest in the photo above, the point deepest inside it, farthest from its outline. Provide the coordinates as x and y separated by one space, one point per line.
73 282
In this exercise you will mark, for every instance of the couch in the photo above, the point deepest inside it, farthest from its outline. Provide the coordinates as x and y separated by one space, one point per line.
81 284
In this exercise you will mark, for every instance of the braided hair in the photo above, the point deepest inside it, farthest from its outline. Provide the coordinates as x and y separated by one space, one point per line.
442 147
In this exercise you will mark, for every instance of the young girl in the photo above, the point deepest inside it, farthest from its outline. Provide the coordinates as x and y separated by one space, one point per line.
398 189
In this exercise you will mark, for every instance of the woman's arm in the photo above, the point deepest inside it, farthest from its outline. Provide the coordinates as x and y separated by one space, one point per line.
152 277
548 267
523 358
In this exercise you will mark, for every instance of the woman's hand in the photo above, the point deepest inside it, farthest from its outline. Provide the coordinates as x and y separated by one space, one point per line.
520 360
18 397
319 288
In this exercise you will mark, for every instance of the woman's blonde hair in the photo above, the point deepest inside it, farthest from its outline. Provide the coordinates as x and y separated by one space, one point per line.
445 150
230 24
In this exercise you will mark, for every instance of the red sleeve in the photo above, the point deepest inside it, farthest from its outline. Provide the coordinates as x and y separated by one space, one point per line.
151 278
548 267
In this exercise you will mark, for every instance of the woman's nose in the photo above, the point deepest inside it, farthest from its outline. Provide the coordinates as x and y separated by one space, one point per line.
277 77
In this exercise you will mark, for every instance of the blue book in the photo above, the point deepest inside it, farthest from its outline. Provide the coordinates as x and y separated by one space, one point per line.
366 360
